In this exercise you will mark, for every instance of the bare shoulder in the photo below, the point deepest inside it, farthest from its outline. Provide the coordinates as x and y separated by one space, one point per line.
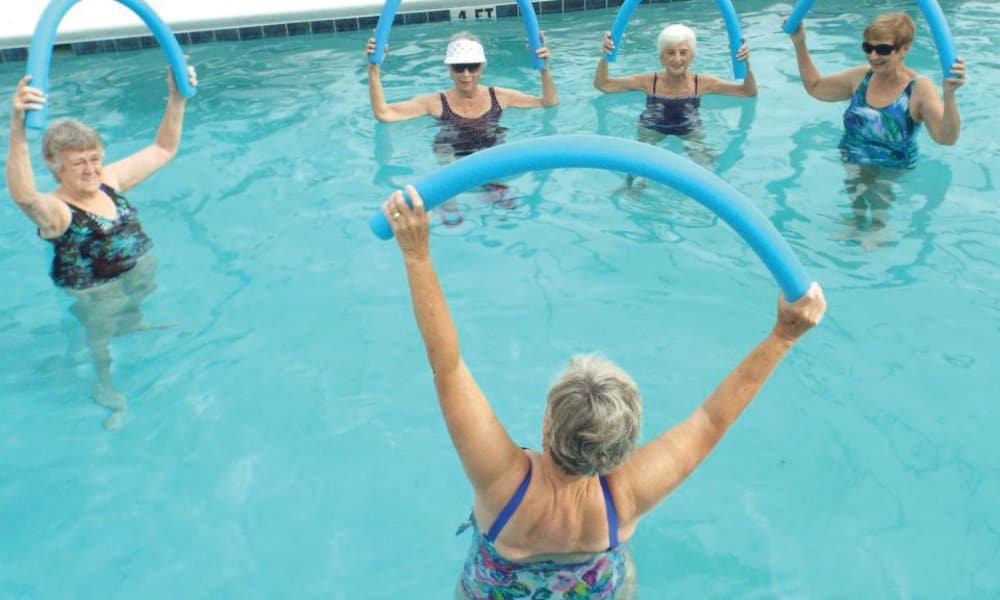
924 85
855 75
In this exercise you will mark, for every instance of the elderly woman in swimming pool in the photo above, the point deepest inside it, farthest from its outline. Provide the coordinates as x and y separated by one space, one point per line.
673 96
559 520
101 251
469 113
888 102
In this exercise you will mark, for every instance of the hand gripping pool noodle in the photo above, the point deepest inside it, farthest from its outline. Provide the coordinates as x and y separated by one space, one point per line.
388 15
942 35
617 154
932 12
728 15
618 27
735 36
40 52
385 19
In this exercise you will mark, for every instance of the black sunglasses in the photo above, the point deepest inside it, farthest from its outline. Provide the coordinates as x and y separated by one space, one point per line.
880 49
470 67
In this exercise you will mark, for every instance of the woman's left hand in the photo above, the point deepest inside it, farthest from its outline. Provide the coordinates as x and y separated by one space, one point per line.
411 226
172 85
744 52
543 52
957 78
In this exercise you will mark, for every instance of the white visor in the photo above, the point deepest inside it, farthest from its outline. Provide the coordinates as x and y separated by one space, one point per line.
463 51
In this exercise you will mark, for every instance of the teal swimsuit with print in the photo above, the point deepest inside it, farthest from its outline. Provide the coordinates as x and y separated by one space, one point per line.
886 136
94 249
489 576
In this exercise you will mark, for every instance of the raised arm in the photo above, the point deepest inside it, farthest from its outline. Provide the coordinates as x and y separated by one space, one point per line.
47 212
714 85
397 111
132 170
613 85
832 88
486 451
509 98
659 466
940 114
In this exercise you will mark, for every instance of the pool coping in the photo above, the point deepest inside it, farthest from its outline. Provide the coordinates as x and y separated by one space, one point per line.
335 19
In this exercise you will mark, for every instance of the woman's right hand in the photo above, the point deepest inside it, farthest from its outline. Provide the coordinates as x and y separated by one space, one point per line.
411 226
609 44
26 98
370 49
799 35
796 318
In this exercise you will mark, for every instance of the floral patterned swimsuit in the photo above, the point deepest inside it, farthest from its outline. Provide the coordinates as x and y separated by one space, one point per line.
489 576
885 136
94 249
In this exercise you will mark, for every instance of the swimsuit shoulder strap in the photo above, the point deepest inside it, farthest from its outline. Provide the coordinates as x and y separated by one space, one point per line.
863 86
654 84
695 84
512 504
494 103
609 507
445 109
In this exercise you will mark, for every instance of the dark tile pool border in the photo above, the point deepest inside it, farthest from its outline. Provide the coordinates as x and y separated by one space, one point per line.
318 27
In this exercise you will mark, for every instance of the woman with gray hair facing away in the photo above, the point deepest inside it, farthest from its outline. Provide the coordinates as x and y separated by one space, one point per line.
554 524
100 247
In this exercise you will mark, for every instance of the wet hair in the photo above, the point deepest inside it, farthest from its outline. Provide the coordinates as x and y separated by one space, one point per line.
593 416
898 26
673 34
68 134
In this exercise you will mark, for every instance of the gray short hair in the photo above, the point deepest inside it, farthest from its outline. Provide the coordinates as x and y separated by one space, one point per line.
68 134
593 416
674 34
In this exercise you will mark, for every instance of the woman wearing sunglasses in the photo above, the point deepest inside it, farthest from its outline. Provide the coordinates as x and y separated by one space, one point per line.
469 114
888 102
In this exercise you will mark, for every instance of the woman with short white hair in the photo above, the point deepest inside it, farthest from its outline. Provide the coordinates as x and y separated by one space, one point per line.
101 251
555 523
673 96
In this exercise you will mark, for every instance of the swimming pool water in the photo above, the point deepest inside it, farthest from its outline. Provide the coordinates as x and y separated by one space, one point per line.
283 439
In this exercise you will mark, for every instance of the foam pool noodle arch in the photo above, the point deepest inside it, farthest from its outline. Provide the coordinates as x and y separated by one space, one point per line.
728 15
943 40
617 154
388 15
44 37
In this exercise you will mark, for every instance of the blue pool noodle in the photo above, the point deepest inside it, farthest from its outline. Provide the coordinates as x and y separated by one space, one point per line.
385 19
735 37
799 12
728 15
943 40
942 34
40 51
388 15
618 27
617 154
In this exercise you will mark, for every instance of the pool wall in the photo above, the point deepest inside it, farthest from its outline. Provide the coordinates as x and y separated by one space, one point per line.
105 26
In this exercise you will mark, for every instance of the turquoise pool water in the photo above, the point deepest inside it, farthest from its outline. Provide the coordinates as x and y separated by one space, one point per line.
283 439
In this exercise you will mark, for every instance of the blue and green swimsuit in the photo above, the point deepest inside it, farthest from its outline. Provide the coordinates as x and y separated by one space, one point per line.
94 249
885 136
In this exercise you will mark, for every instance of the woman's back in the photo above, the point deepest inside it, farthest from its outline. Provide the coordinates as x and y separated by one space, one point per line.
555 532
